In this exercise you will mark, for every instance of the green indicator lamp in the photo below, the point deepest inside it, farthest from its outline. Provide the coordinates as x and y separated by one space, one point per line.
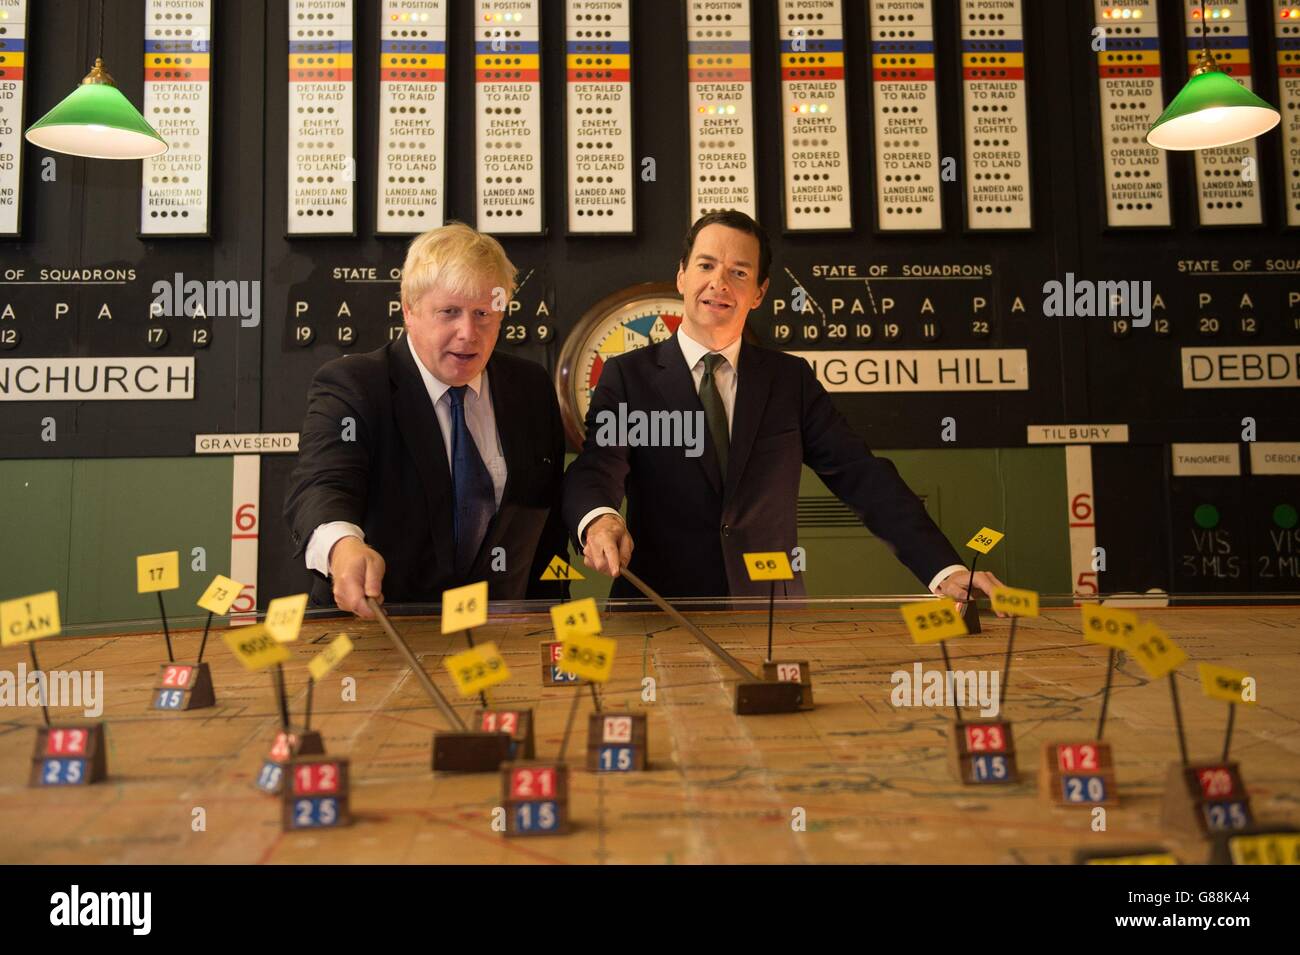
1212 110
96 121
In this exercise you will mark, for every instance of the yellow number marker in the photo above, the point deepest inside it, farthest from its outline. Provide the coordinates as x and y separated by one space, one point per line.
768 565
255 648
464 607
1018 603
559 569
330 657
933 620
1155 858
29 618
1156 651
155 572
1223 683
477 669
589 656
221 593
578 618
1267 849
985 540
284 617
1108 626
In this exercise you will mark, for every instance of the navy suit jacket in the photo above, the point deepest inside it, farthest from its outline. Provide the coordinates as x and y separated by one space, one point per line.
689 527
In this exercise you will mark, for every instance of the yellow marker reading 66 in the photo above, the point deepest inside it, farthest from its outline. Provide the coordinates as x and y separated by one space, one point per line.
774 565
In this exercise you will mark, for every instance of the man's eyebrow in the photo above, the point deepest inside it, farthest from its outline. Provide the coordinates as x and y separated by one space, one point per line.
705 255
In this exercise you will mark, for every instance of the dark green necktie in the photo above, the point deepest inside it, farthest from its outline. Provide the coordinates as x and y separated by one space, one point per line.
715 412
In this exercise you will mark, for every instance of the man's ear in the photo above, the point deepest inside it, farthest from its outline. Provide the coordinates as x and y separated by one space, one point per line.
762 292
681 273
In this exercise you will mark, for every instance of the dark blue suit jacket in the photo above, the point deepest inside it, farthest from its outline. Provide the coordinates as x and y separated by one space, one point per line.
688 526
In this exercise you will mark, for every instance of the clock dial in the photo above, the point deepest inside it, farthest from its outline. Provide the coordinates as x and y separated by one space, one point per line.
632 318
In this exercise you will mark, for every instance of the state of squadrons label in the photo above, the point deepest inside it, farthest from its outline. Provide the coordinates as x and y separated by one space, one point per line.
598 115
995 115
322 126
508 112
905 113
412 157
1227 178
815 116
13 85
1131 99
720 101
178 104
1286 31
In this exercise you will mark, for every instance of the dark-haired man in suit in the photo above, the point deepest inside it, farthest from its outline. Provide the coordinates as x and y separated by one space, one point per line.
692 518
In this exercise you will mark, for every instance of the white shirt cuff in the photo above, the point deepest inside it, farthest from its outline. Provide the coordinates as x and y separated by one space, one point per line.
943 575
323 540
591 516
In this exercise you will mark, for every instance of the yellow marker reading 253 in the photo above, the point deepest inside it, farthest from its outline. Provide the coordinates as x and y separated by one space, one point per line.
464 607
255 648
589 656
29 618
773 565
933 620
985 540
155 572
1018 603
476 669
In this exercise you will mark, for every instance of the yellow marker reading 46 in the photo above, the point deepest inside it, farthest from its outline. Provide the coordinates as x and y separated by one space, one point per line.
933 620
773 565
464 607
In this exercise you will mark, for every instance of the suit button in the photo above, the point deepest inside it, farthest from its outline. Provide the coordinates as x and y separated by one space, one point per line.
726 530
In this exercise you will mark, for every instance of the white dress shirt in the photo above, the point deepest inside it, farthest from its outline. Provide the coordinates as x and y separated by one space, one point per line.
482 424
725 376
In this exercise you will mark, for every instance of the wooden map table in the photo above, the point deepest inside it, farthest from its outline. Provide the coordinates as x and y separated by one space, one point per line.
873 780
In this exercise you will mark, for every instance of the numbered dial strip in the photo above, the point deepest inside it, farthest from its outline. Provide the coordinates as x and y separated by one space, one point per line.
720 97
1227 180
13 66
815 111
1131 99
906 116
411 195
1286 30
322 131
598 114
508 112
995 115
245 525
174 196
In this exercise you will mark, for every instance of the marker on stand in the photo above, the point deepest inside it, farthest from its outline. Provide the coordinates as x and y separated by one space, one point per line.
464 608
983 542
155 573
321 665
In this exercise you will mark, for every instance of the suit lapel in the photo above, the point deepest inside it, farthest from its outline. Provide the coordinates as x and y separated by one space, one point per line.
508 406
677 386
418 424
753 385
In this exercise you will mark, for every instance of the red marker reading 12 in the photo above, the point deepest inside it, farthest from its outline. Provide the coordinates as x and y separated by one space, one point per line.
65 754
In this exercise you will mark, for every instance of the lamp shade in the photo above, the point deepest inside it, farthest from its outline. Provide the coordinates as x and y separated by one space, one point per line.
96 121
1212 110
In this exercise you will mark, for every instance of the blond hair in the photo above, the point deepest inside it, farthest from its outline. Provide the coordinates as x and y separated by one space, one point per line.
457 259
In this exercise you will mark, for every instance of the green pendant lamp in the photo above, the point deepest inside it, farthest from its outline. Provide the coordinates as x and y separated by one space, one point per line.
1212 110
96 121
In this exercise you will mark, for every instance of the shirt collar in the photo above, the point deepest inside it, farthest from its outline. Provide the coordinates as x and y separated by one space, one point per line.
434 385
693 351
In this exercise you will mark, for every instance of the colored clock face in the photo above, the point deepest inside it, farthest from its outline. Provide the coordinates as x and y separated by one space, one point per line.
625 321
